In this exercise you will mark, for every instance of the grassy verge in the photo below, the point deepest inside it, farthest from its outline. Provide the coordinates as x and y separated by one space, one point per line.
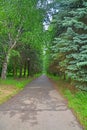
77 100
10 87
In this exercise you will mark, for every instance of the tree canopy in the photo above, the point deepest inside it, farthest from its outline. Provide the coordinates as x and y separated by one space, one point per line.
26 47
21 35
68 49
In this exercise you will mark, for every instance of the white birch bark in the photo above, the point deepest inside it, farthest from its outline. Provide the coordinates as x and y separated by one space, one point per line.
12 44
4 67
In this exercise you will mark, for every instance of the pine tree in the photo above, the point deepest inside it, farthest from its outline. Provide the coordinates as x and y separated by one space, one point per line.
70 48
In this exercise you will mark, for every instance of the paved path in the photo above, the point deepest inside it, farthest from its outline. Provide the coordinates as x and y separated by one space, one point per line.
38 107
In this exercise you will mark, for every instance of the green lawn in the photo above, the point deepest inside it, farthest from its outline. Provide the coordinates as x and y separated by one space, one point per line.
77 100
11 86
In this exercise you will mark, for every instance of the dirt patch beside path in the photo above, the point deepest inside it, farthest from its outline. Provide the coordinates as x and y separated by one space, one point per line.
6 91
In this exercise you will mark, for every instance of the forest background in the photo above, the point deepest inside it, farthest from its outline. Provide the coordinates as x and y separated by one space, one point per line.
46 36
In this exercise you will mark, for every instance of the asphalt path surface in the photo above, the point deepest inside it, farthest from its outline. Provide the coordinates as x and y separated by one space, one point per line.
38 107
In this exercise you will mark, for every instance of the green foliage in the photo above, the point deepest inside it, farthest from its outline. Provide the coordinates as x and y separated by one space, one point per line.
78 103
18 83
14 82
68 49
21 36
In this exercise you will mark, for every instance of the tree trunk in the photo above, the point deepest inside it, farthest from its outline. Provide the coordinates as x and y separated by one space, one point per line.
64 77
25 67
28 68
14 71
5 63
4 67
20 71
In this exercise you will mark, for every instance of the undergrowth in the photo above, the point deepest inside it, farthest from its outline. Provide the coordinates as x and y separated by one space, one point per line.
19 82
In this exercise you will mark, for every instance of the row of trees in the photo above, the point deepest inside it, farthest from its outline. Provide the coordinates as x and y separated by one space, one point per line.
21 37
68 49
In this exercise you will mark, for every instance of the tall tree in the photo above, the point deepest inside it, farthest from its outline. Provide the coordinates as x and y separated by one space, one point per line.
19 21
69 46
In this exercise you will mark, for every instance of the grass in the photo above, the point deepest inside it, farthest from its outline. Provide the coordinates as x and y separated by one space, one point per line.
77 100
10 87
18 83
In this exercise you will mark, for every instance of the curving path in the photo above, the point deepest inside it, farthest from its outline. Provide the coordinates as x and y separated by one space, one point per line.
38 107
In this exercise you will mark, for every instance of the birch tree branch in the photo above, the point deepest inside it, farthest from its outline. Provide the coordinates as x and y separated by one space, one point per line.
13 43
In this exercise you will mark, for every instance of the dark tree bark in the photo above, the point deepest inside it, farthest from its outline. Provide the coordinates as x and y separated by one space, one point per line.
25 68
64 76
20 71
28 67
14 70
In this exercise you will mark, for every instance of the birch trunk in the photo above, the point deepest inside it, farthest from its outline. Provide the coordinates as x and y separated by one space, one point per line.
5 64
4 67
